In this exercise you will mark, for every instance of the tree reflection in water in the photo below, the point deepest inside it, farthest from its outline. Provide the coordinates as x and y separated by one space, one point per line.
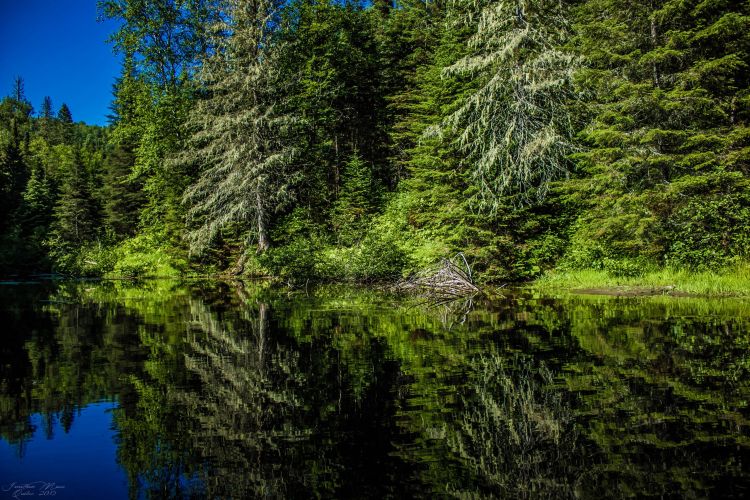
515 431
225 390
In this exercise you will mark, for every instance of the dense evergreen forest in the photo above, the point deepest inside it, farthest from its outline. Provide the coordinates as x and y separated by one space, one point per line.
339 140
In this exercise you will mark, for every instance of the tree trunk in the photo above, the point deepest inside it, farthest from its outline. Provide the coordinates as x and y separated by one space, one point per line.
262 231
653 43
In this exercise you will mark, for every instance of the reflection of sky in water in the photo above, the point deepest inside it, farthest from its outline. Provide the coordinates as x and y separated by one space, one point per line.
250 392
83 460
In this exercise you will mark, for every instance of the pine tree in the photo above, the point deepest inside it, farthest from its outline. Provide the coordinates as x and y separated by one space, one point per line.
330 59
407 42
515 129
123 196
75 215
241 132
65 128
667 146
13 178
46 110
46 120
38 202
64 115
16 113
355 202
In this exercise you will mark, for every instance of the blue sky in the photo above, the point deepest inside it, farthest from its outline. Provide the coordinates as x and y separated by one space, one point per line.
59 48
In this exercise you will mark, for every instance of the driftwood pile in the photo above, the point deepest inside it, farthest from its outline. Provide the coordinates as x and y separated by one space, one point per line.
449 280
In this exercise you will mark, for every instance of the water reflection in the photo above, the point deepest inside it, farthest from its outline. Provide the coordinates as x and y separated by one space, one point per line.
240 390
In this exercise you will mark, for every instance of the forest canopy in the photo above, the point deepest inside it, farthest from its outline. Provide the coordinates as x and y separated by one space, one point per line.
317 139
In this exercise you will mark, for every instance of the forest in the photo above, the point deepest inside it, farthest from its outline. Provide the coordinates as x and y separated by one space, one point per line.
363 141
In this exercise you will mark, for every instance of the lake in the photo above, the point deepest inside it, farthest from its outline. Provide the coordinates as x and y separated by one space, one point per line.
241 390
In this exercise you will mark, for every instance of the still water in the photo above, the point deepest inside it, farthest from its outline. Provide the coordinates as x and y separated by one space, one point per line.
209 389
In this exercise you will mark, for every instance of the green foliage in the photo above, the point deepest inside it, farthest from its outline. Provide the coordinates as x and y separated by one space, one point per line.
377 258
76 211
145 256
365 142
294 262
353 208
711 228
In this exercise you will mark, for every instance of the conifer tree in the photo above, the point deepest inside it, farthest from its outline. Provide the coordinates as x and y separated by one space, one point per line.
515 129
13 177
64 114
123 195
75 215
241 131
330 58
46 110
38 202
65 127
355 202
667 146
46 119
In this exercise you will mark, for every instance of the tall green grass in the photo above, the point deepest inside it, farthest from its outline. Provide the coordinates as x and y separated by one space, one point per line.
730 281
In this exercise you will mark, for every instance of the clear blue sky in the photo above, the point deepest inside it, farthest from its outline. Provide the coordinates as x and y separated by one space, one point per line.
59 48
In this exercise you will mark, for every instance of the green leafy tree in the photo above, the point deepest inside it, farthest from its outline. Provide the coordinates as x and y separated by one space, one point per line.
169 37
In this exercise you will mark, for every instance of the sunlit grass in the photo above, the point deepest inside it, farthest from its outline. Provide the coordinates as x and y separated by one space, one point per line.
731 281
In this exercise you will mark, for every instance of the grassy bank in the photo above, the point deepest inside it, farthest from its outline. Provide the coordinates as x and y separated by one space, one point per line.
732 281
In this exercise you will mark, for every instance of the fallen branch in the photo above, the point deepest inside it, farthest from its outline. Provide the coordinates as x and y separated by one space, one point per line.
450 279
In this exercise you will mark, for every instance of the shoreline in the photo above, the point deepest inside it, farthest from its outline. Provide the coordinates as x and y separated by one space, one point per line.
729 282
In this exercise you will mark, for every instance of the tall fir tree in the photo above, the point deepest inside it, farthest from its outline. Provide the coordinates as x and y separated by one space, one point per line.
241 139
76 214
329 56
13 177
667 145
65 126
515 129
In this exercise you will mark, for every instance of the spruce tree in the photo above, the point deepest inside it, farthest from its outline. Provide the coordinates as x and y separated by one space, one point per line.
65 128
123 195
46 110
666 148
38 202
46 119
515 129
13 177
64 115
75 215
355 202
241 139
329 56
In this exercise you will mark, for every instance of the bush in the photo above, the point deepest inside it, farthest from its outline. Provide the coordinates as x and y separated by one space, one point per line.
624 268
294 262
709 233
376 258
144 256
95 259
379 258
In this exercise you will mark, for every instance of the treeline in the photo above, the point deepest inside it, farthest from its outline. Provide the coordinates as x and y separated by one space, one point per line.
311 139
